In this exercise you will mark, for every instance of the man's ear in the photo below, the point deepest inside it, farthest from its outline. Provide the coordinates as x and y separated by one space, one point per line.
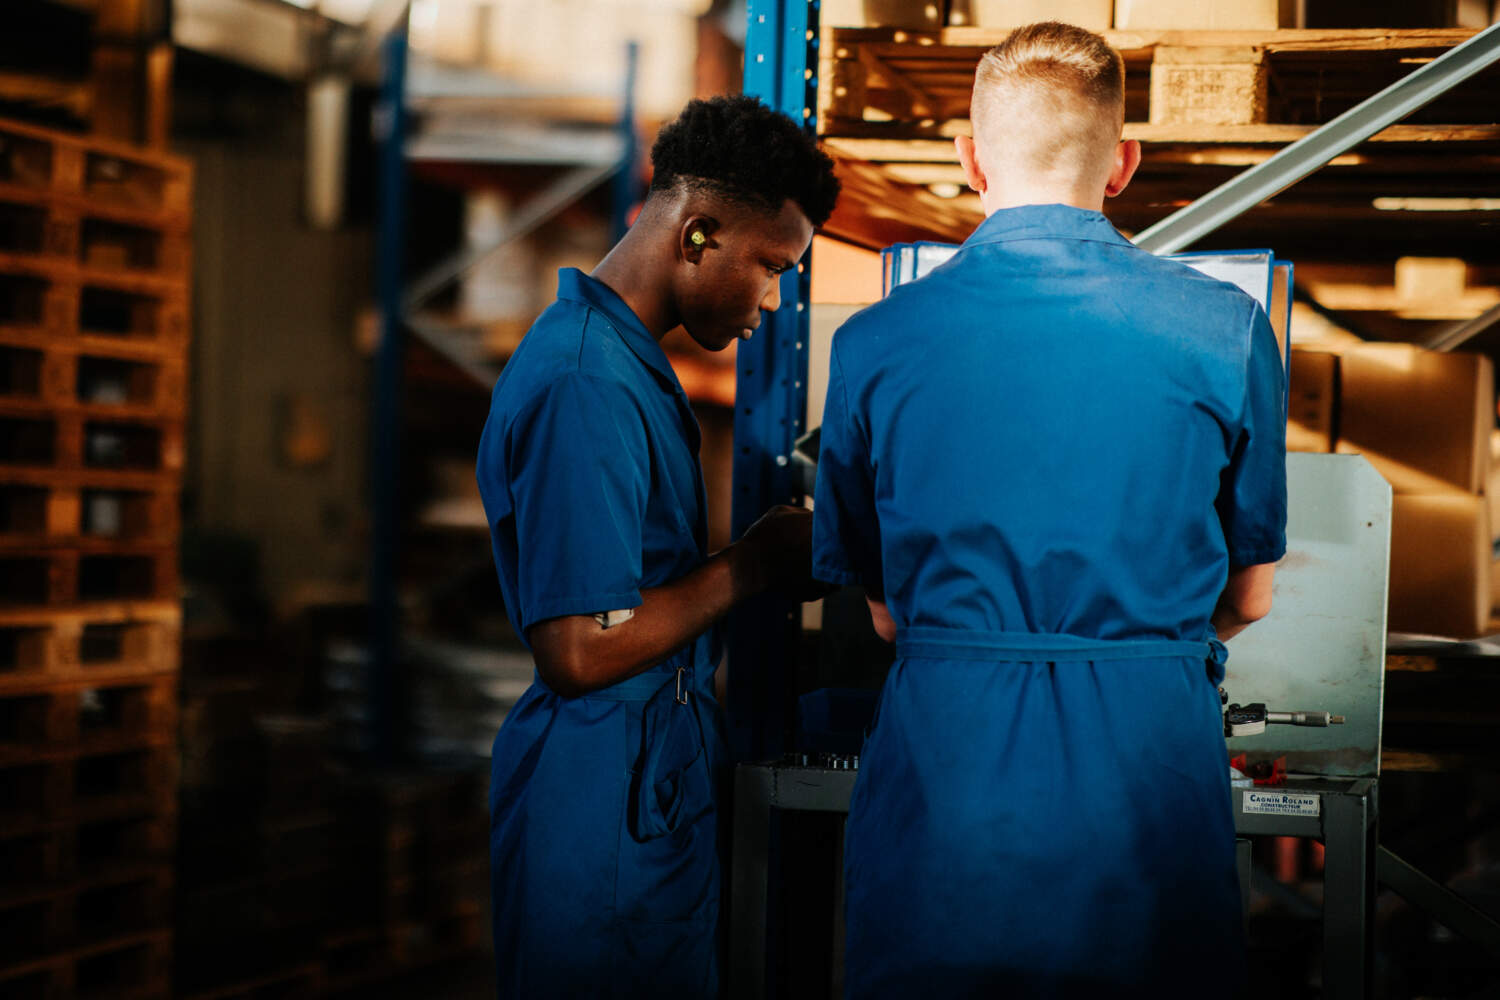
1127 159
968 158
695 236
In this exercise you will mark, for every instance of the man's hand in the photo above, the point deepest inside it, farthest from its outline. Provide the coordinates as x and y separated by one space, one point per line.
776 554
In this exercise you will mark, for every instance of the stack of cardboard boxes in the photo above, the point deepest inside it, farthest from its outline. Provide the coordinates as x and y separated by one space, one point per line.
1425 421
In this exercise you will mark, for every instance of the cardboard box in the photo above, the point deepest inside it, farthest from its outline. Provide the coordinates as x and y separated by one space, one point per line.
843 273
920 15
1095 15
1440 564
1207 15
1428 413
1312 402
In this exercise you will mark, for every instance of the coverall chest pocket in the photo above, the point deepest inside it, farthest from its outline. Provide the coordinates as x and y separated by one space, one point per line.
668 862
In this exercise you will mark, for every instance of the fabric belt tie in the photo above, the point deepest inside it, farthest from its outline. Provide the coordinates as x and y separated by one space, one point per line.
676 670
1051 647
644 687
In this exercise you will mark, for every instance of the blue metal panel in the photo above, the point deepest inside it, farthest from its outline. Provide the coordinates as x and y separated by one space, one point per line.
771 405
390 250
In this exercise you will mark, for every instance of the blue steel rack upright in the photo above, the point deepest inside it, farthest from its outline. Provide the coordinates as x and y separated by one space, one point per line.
781 46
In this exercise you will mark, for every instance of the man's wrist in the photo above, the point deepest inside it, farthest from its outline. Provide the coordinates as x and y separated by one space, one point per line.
746 570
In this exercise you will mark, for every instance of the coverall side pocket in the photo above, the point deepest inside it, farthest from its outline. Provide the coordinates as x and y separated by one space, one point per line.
668 861
669 783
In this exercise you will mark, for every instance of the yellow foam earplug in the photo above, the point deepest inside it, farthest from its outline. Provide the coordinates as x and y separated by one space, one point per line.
698 238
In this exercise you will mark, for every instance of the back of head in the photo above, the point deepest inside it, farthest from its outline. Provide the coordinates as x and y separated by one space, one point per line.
1049 101
736 148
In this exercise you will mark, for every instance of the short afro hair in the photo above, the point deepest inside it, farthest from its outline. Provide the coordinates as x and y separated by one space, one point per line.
739 149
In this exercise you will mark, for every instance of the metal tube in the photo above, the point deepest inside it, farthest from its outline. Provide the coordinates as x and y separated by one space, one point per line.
385 472
1462 333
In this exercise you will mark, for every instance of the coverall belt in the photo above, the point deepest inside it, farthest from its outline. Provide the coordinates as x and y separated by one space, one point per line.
1039 647
644 686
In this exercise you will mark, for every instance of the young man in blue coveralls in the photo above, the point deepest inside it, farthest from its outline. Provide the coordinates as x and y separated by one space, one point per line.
1056 464
604 833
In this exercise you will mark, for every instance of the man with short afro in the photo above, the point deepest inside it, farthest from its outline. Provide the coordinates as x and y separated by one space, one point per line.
604 827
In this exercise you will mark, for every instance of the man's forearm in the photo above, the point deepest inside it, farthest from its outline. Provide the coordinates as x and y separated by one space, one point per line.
1246 599
575 655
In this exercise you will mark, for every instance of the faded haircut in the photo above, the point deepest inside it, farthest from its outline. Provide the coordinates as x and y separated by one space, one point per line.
1050 98
737 148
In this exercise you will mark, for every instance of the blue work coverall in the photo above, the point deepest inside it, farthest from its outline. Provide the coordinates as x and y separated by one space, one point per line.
605 868
1046 456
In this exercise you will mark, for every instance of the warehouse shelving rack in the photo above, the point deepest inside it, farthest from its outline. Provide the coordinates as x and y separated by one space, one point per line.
1206 106
1317 82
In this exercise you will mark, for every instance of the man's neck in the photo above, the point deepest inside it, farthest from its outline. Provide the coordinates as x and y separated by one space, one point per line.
635 272
1085 196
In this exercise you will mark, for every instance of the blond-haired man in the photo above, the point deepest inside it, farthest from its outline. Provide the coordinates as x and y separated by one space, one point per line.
1057 465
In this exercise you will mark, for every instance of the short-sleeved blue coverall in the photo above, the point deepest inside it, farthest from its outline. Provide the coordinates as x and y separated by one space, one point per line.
605 868
1045 457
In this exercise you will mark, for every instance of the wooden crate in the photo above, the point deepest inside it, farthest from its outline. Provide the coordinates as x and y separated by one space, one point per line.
132 967
97 644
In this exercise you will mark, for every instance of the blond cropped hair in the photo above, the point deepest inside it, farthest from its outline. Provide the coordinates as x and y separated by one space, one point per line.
1049 99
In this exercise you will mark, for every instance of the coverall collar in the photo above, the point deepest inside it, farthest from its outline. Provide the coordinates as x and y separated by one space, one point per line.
574 285
1045 221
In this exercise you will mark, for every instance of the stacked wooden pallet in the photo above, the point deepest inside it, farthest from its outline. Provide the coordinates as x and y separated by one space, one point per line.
414 884
1204 104
94 250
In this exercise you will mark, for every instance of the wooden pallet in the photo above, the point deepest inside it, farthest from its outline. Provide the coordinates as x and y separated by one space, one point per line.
44 301
301 982
69 238
86 572
133 967
1289 77
31 513
65 850
96 171
81 717
35 439
97 643
1205 105
86 788
360 957
61 374
40 919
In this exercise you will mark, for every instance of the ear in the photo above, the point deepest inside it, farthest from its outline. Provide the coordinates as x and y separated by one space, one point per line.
1127 159
968 158
695 236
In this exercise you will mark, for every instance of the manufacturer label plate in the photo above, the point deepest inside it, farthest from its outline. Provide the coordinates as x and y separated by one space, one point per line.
1273 803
